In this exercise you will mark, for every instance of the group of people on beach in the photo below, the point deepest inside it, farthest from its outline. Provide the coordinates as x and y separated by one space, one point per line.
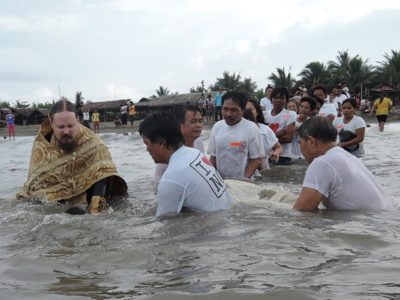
70 164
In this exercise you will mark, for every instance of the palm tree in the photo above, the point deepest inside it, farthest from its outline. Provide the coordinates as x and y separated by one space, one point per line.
389 69
248 86
281 79
360 73
340 68
228 82
161 91
314 73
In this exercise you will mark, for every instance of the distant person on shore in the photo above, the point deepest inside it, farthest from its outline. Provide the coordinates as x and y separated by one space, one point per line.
96 121
351 129
266 102
235 143
117 120
124 114
335 177
210 108
190 182
218 105
381 109
86 117
131 113
10 120
71 165
191 123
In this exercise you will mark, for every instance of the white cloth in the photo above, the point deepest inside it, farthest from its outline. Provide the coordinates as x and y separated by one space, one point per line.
328 109
281 121
124 109
266 103
160 168
86 116
269 140
355 123
345 182
233 146
191 181
340 99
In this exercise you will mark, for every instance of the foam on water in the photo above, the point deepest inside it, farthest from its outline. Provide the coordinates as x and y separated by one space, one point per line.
260 248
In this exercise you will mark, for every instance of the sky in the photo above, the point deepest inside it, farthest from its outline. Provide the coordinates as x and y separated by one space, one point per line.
118 49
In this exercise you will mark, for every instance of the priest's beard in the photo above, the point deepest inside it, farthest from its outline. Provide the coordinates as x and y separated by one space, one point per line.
67 143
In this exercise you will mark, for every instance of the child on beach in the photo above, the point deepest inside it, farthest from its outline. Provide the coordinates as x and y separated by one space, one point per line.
10 119
96 121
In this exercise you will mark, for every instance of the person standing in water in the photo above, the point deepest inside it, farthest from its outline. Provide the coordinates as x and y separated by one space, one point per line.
10 119
351 129
381 108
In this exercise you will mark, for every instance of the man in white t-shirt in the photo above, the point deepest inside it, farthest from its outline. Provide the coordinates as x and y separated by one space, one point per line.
266 102
235 143
282 122
335 177
190 180
328 109
191 122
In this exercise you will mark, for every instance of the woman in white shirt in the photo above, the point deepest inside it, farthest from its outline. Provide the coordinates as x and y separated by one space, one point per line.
272 147
351 129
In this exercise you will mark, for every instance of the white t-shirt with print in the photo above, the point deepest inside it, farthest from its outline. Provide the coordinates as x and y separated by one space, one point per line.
269 140
233 146
327 109
160 168
281 121
266 103
355 123
191 181
345 182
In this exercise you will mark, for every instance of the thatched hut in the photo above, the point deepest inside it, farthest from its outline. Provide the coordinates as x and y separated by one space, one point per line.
165 103
392 92
107 109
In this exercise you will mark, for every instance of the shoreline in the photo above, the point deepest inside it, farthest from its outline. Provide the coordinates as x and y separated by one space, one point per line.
109 127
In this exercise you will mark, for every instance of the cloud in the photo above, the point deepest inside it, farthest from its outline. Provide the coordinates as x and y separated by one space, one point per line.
44 93
41 23
118 92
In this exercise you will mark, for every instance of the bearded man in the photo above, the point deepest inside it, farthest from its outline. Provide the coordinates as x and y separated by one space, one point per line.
70 164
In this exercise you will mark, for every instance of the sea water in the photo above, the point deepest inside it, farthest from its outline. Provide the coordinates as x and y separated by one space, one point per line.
252 251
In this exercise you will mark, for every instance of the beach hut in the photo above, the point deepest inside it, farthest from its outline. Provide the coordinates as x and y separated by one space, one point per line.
392 92
165 103
22 116
107 109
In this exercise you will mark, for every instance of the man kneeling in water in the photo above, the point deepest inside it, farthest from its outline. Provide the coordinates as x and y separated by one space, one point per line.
335 177
71 165
190 181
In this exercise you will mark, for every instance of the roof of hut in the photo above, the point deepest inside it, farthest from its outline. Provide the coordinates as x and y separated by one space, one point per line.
26 112
170 100
112 104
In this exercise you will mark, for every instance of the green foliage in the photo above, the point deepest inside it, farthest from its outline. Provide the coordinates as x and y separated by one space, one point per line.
21 104
388 70
161 91
281 79
314 73
78 100
258 95
197 89
5 104
234 82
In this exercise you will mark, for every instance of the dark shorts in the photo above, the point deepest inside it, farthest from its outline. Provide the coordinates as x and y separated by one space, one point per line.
381 118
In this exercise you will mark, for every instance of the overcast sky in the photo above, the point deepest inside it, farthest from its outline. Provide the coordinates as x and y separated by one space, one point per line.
128 48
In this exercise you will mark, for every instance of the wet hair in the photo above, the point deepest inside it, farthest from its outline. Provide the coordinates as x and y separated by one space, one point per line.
248 115
320 87
351 101
63 105
181 113
280 92
162 126
319 128
260 116
237 97
311 101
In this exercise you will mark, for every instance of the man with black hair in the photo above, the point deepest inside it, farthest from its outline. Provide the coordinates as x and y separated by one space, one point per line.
190 181
235 143
335 177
